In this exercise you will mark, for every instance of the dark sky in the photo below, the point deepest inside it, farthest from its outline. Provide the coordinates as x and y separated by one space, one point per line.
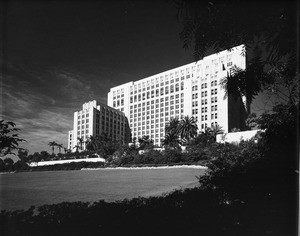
60 54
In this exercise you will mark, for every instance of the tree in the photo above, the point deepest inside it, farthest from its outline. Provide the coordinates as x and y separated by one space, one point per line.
173 126
44 155
23 155
76 147
80 141
212 26
251 121
262 174
52 145
203 139
171 140
145 142
59 146
215 130
9 138
188 128
91 143
2 165
8 163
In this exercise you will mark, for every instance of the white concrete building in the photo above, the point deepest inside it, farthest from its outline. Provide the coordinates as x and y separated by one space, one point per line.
70 139
95 119
193 89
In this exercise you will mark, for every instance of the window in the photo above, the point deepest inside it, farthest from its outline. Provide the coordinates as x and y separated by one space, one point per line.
167 90
171 88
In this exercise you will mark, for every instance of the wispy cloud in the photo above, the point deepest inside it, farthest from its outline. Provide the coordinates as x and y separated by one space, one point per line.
42 101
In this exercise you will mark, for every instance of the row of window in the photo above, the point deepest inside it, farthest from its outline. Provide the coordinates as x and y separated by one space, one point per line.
162 106
157 115
204 125
157 101
83 116
157 86
213 116
157 92
118 103
118 93
163 79
82 121
214 99
82 127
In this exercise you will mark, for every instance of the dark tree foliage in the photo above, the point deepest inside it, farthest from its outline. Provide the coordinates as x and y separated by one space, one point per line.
226 24
188 128
103 145
266 28
9 138
145 142
23 155
171 140
260 177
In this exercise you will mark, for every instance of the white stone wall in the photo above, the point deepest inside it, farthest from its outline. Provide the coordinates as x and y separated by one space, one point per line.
236 137
47 163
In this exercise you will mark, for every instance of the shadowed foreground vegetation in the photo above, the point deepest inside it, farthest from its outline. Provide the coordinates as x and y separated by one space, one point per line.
249 189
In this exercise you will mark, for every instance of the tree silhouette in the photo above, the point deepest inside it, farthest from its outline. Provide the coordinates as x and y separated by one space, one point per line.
9 138
76 147
171 140
59 146
80 142
145 142
173 126
215 130
188 128
52 145
92 143
268 32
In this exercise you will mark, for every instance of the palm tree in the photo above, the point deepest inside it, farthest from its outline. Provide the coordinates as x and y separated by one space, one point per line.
188 128
77 147
171 140
173 126
59 146
244 83
91 143
52 145
215 130
80 141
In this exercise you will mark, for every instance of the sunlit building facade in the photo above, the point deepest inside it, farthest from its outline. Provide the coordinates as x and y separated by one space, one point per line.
95 119
190 90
